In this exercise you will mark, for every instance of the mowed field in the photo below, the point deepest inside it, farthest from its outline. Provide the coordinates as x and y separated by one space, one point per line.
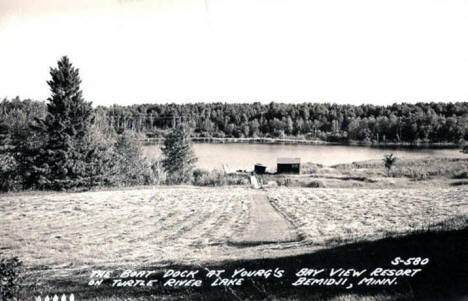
67 234
328 216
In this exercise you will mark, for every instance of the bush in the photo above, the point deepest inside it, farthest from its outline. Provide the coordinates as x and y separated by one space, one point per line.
234 179
389 160
10 278
10 180
158 173
461 175
459 183
202 177
315 184
309 168
284 182
199 173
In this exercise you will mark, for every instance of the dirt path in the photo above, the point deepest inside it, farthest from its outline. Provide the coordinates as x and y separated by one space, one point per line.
266 225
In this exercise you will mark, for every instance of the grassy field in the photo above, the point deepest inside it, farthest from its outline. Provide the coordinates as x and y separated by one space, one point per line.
420 169
66 231
62 236
324 216
419 173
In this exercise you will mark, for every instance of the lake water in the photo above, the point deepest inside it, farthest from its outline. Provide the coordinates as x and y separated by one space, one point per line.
244 155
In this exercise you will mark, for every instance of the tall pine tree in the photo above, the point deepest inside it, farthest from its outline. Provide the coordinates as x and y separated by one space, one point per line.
179 157
67 152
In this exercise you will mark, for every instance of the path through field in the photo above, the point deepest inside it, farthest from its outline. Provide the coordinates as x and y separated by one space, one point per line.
266 225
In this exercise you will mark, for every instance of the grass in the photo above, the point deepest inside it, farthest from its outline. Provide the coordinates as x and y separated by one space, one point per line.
444 278
420 173
421 168
343 215
62 233
61 237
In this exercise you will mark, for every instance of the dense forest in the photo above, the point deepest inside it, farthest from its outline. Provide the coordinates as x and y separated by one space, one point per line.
397 123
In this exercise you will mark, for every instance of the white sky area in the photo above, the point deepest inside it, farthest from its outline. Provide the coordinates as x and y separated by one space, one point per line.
158 51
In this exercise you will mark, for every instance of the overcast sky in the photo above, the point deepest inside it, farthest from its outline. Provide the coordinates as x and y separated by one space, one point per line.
140 51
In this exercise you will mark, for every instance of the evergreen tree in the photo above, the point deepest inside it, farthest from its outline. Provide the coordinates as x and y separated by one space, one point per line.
67 151
179 157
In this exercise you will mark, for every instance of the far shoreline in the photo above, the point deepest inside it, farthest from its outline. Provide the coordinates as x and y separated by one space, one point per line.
291 141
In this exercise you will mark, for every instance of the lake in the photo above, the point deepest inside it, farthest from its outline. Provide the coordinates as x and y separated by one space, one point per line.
245 155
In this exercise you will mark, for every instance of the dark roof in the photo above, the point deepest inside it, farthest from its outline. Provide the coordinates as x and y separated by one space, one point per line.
289 160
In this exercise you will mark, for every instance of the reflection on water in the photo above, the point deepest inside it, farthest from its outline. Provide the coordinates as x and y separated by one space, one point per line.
244 156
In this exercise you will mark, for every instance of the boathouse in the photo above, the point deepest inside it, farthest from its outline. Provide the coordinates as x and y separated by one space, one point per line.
288 165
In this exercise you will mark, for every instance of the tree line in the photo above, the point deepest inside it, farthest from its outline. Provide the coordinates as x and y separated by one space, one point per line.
397 123
421 122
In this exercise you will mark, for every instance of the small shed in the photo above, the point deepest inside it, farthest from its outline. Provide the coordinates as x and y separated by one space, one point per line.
289 165
259 168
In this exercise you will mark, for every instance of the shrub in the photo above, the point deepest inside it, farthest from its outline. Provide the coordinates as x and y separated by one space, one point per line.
459 183
158 173
461 175
234 179
199 173
10 180
315 184
284 182
10 278
309 168
202 177
389 160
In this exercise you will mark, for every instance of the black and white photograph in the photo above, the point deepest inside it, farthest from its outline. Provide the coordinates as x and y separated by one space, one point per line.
210 150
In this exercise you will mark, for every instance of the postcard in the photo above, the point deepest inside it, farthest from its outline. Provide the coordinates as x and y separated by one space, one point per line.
233 150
